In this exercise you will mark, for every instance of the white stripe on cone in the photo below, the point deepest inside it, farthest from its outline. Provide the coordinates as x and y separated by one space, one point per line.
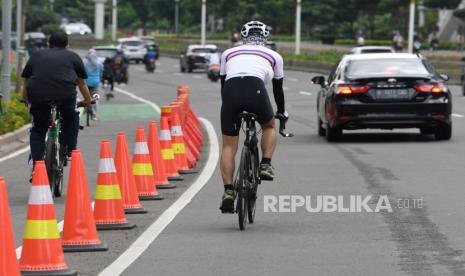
141 148
176 131
40 195
165 135
106 165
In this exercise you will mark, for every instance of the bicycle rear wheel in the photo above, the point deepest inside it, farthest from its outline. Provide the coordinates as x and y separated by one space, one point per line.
54 167
241 186
252 187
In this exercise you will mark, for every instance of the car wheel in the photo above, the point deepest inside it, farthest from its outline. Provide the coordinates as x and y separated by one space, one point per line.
182 69
333 134
443 132
321 129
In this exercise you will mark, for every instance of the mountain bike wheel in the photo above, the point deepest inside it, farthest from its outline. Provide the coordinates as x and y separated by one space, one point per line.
58 181
52 162
241 186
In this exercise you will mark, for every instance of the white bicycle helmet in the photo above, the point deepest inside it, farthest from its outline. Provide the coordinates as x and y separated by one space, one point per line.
255 27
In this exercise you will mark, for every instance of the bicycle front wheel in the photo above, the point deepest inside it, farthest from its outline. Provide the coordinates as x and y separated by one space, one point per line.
252 187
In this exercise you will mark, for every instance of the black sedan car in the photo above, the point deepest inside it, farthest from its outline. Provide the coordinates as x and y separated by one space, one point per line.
384 91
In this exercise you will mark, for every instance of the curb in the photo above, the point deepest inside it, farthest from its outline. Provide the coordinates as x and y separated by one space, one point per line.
19 135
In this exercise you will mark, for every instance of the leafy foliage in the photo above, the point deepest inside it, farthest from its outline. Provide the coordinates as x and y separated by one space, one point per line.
14 115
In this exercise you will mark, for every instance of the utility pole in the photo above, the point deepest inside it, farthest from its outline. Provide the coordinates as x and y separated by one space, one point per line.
411 27
6 45
176 16
99 18
114 19
20 30
298 23
204 22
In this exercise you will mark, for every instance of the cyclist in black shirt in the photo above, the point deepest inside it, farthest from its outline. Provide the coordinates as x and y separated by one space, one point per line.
52 75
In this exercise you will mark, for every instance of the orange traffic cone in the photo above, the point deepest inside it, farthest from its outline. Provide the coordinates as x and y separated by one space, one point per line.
108 208
8 262
127 181
42 253
178 145
190 149
159 171
142 167
167 151
79 231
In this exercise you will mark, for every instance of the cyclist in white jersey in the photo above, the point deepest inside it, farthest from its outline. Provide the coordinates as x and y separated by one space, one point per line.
244 71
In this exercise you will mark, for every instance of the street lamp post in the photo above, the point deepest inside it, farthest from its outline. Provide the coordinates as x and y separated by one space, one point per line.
298 22
6 49
204 21
176 16
114 19
411 26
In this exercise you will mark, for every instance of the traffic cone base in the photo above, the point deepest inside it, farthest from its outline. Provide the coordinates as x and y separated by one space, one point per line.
118 226
150 197
135 211
166 186
65 272
85 247
189 171
175 178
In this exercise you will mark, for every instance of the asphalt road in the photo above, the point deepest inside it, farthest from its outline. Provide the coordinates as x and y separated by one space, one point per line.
400 165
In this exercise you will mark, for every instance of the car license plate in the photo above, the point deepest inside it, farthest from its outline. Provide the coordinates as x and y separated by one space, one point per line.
392 94
133 50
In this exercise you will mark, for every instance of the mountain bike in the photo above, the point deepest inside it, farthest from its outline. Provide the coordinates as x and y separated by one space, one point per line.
247 176
55 152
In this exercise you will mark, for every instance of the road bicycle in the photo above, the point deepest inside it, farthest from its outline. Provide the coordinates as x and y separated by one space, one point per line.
247 176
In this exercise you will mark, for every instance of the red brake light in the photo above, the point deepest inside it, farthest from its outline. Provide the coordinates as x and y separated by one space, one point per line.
351 89
431 88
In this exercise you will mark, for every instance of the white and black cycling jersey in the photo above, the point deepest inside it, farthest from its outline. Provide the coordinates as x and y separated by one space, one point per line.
252 60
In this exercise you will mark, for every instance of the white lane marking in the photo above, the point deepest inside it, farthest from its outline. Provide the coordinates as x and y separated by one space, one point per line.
14 154
292 79
131 95
305 93
154 230
458 115
285 88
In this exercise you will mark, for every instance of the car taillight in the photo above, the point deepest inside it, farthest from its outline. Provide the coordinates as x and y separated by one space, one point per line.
431 88
351 89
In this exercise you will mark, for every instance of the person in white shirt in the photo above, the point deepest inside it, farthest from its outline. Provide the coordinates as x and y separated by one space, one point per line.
244 71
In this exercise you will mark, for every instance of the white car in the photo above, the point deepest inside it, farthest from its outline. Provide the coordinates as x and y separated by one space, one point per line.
371 50
76 28
133 48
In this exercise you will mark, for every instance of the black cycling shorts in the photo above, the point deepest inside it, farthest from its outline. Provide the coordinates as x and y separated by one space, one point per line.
244 94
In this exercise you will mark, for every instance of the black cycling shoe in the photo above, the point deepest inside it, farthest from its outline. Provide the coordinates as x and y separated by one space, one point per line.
227 204
266 172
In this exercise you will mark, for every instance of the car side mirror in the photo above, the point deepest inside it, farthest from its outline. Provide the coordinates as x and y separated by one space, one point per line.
319 80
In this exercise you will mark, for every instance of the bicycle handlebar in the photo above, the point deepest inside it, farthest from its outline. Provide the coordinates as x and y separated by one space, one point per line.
282 125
